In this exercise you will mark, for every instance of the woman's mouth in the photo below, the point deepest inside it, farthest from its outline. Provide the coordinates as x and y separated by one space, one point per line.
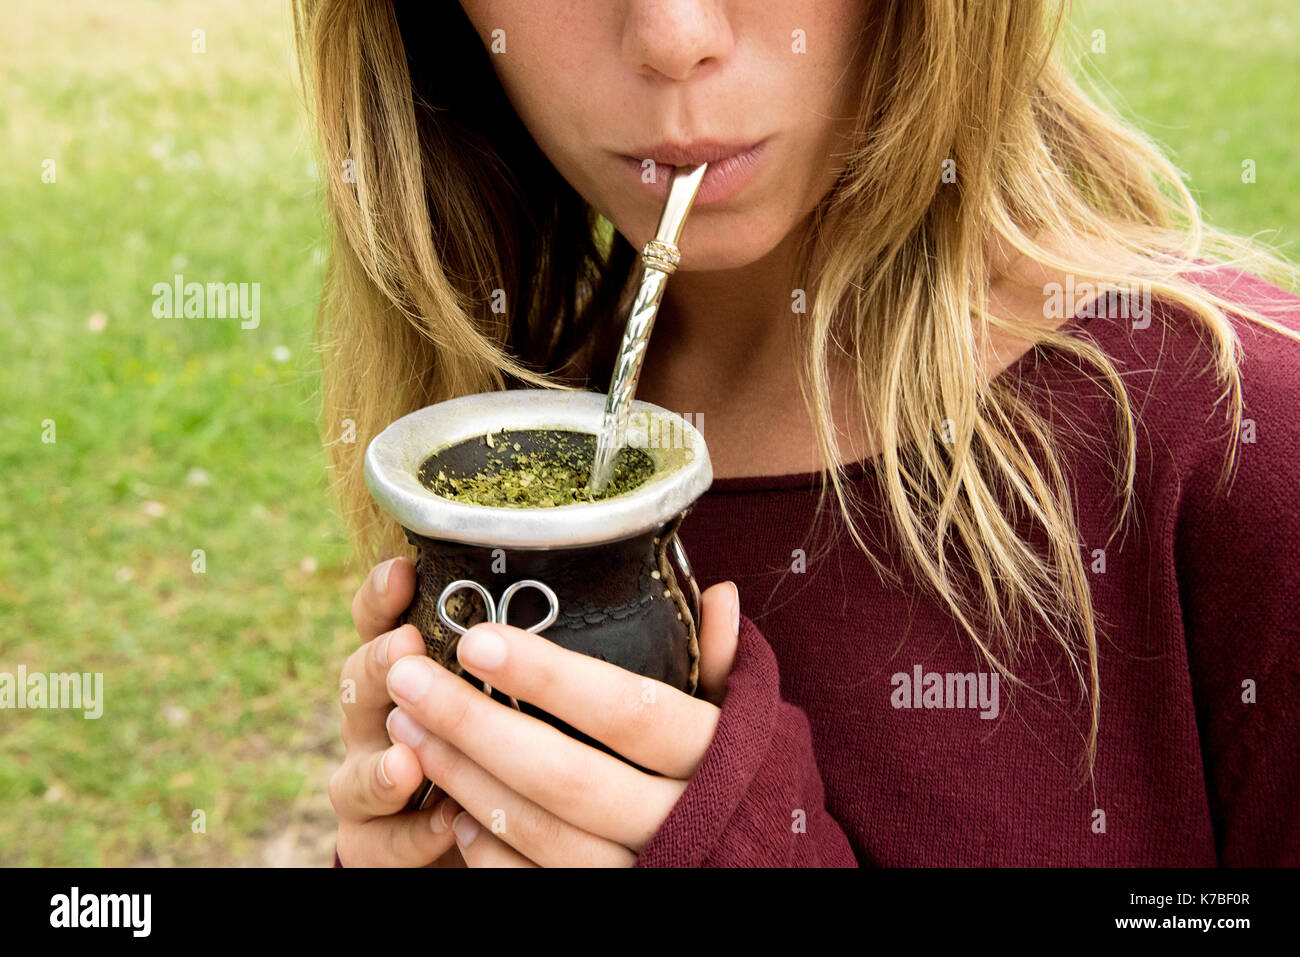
731 167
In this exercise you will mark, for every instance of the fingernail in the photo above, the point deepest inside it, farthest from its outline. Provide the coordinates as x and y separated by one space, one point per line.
381 577
383 649
438 820
482 647
466 829
383 771
410 678
735 608
402 727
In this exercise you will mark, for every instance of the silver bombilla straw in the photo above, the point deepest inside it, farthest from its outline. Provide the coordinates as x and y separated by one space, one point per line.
659 259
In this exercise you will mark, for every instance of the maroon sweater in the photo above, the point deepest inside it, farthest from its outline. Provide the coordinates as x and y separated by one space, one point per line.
817 762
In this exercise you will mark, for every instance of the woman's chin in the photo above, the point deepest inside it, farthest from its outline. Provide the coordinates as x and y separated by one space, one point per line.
711 247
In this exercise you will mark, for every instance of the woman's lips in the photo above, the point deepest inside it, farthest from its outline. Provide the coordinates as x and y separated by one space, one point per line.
724 178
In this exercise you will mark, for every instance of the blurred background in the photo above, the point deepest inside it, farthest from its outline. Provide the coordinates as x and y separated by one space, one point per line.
163 509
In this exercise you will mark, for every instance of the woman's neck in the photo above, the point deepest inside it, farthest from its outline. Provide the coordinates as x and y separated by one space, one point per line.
722 353
724 328
723 350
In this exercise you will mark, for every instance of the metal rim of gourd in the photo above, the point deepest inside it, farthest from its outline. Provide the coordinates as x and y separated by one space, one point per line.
393 459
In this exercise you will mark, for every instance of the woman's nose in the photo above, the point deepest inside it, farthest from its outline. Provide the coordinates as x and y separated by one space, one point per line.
675 39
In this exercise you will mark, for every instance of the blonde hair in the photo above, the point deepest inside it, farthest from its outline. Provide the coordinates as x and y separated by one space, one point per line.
441 204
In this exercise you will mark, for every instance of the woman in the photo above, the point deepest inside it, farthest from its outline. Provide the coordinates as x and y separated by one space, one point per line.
927 275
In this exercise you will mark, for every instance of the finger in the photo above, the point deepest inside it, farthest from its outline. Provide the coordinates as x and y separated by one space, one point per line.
375 783
363 684
646 721
481 849
588 788
381 599
532 830
446 810
719 635
415 839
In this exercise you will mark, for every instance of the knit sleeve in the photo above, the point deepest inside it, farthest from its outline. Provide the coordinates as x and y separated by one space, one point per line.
1238 563
756 799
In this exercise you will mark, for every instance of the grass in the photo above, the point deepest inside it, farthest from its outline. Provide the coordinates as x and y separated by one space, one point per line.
171 435
180 434
1214 85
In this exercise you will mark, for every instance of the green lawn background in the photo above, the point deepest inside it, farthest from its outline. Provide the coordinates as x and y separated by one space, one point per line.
176 435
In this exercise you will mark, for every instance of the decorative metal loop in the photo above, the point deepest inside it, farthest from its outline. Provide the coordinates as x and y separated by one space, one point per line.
497 611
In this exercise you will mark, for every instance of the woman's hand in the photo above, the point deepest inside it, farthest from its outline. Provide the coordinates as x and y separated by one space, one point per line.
371 788
532 795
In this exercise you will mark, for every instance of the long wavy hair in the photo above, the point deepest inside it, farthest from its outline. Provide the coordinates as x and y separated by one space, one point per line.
438 196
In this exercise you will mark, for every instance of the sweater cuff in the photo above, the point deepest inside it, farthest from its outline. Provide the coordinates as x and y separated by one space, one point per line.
756 798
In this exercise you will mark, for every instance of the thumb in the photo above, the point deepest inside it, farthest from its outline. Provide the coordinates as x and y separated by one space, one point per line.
719 631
